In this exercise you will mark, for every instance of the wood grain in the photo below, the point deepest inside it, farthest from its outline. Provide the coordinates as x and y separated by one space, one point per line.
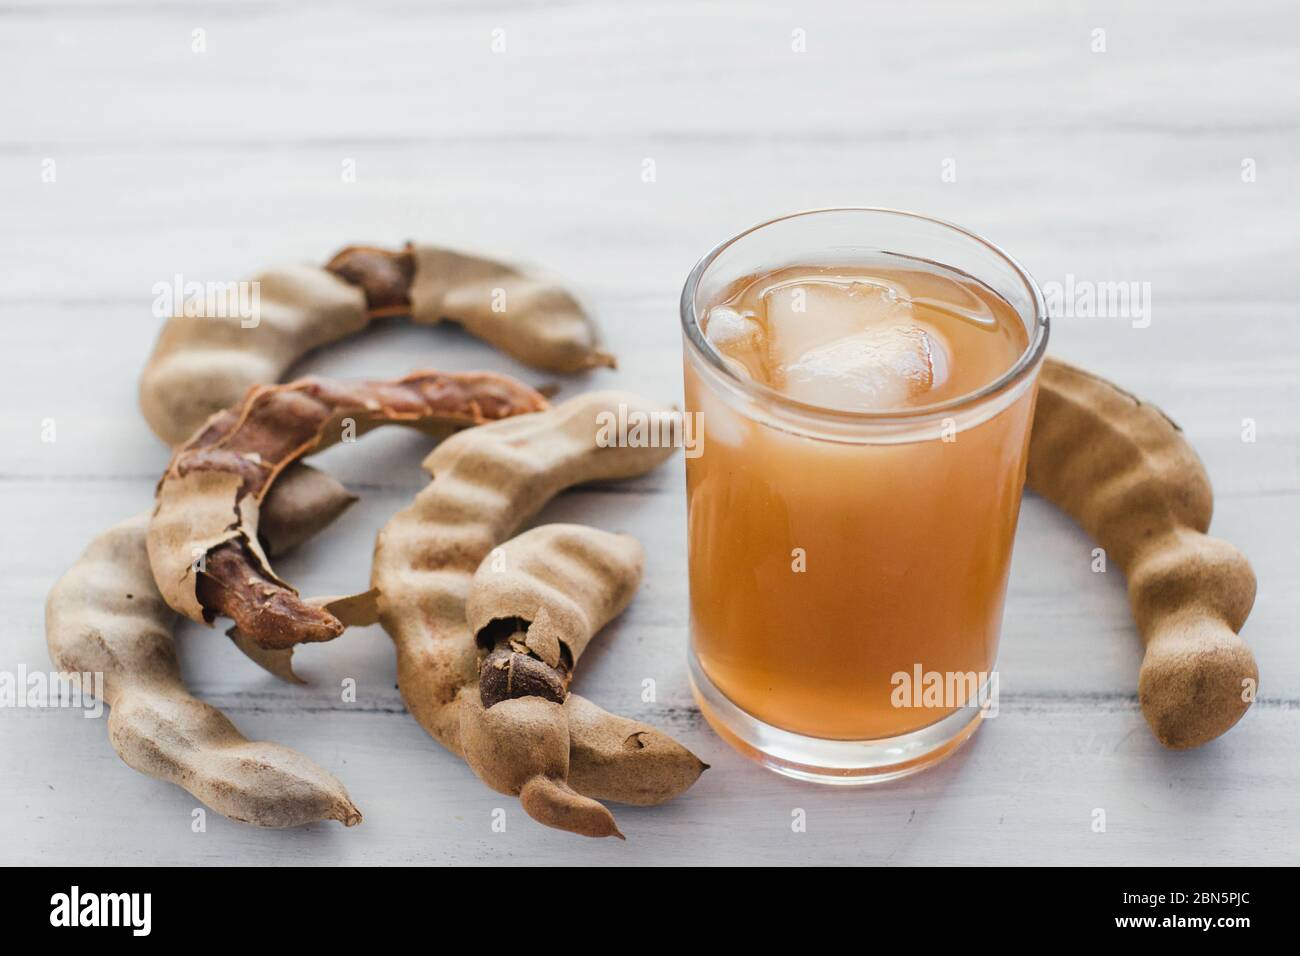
1124 165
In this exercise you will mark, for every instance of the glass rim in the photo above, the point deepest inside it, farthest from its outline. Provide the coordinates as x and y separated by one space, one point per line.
1020 369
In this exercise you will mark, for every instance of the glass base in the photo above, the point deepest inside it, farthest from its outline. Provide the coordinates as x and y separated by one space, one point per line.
836 762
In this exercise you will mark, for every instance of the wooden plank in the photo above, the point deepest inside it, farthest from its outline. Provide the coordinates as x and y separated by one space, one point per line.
1024 791
224 211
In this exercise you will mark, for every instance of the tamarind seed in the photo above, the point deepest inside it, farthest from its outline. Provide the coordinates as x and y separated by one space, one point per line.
510 670
385 277
506 674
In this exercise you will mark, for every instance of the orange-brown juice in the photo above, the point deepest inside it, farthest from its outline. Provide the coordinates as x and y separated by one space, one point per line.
820 570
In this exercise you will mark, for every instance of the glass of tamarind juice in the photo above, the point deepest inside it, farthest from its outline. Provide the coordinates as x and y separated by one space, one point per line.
862 384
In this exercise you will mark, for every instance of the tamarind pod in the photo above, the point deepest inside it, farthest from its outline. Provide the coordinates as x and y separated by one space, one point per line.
203 540
206 361
559 585
301 502
625 761
1125 473
106 616
206 358
521 312
485 483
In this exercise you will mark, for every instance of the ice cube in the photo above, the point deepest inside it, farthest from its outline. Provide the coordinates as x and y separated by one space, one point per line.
738 338
891 366
731 332
803 314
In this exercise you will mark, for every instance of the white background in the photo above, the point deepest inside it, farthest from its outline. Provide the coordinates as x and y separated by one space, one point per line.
1121 165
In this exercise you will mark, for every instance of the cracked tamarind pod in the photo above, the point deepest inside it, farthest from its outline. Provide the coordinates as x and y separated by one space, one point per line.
203 536
207 358
533 605
485 483
106 616
1123 470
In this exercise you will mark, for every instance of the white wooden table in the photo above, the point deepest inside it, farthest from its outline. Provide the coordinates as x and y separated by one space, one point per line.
1123 165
